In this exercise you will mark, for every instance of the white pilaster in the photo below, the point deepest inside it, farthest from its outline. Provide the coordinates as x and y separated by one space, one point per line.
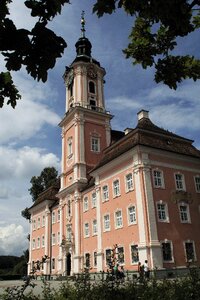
76 234
99 232
30 248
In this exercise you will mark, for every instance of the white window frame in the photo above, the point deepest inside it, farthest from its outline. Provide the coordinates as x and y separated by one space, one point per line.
182 213
94 199
95 259
129 182
179 182
58 238
106 222
129 214
171 249
160 212
118 219
69 147
94 227
116 188
43 241
69 232
33 244
197 184
194 250
38 222
53 239
38 242
34 224
86 229
53 217
158 178
95 144
43 220
131 258
58 215
69 208
118 255
105 192
85 203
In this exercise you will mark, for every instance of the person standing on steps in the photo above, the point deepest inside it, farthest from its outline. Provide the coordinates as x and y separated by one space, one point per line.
146 270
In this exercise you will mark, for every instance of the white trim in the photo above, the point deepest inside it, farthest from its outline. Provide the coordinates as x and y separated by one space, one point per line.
115 195
115 218
187 212
126 182
165 241
103 198
197 184
194 249
162 186
84 229
106 229
166 211
128 214
179 181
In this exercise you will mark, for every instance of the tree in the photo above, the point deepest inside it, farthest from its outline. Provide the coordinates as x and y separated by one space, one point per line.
36 49
40 183
157 25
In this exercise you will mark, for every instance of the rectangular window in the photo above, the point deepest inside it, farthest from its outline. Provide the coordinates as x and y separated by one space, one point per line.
158 178
33 244
53 217
43 241
34 224
53 263
58 238
58 218
95 144
94 199
106 222
167 251
95 259
134 254
86 229
197 183
116 190
69 147
118 219
85 204
53 239
184 213
43 220
108 257
38 223
129 182
87 260
131 215
189 251
161 209
179 180
121 255
38 242
105 192
94 226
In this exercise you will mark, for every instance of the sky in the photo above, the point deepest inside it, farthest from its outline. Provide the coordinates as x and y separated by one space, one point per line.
30 138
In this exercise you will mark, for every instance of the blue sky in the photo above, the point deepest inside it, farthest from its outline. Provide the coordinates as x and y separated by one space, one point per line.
30 138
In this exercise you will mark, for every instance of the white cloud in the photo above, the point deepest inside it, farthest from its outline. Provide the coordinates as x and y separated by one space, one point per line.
13 240
25 162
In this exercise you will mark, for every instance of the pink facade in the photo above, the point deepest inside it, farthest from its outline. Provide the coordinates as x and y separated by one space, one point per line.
137 192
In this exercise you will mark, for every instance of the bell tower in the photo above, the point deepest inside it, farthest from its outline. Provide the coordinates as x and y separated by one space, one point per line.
86 124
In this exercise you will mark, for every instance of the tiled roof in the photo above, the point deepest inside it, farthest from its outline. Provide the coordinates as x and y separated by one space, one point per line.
148 134
48 194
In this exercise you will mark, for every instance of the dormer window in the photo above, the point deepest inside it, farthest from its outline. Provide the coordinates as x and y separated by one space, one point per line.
92 87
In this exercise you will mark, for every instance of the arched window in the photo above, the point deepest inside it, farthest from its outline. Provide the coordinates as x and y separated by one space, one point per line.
91 87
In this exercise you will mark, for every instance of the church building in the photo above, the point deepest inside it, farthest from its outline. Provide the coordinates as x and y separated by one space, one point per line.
122 197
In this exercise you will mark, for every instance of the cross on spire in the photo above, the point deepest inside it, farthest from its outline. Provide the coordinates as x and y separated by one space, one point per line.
83 23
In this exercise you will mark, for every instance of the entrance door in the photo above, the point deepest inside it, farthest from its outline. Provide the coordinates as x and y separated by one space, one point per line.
68 259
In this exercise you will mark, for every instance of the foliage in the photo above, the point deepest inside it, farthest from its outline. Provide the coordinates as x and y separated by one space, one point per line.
26 214
40 183
157 27
36 49
187 288
12 265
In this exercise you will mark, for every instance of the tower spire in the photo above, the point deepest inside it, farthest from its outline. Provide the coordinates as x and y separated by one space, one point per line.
83 24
